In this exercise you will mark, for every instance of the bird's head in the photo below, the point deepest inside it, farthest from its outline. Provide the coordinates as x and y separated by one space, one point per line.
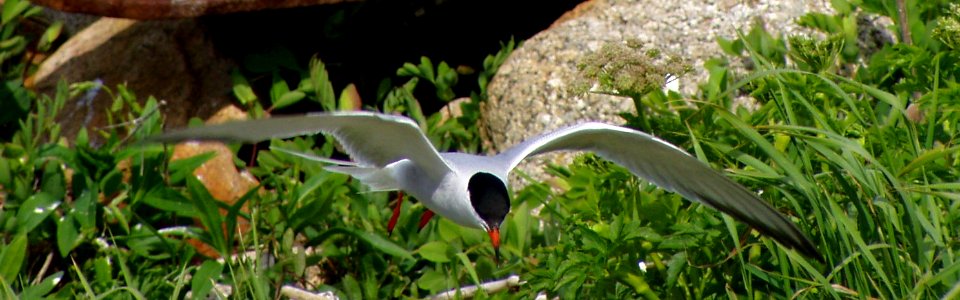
491 201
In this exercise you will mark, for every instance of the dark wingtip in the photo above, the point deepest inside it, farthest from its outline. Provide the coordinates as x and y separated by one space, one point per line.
807 248
775 225
798 242
792 238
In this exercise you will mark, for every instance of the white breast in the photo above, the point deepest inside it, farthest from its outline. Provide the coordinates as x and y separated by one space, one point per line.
447 197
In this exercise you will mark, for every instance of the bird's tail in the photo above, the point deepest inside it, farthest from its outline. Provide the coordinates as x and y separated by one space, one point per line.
315 158
378 179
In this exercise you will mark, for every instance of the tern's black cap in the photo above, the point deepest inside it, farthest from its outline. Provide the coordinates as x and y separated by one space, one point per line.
489 197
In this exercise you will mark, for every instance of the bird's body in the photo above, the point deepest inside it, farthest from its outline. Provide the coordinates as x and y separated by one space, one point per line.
391 153
447 196
451 199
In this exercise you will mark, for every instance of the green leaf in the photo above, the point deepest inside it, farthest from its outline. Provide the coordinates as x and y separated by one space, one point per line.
592 240
323 89
16 102
85 210
305 85
792 170
351 287
112 182
415 112
299 262
49 36
928 157
172 201
288 99
372 239
12 9
35 210
469 266
53 182
881 95
205 277
637 282
242 89
310 185
278 88
370 282
32 11
209 212
103 270
432 281
676 264
68 237
426 69
12 256
45 287
679 242
383 244
350 98
436 251
408 69
446 79
731 47
183 168
448 231
269 160
5 173
445 75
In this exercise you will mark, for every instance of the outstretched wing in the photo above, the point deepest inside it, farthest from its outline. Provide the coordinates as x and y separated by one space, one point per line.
371 139
670 168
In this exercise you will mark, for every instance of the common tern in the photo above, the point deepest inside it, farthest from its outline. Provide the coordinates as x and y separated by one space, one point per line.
391 152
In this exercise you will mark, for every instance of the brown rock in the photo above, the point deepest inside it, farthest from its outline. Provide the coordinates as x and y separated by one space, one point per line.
227 114
219 175
574 13
170 9
171 60
221 178
453 109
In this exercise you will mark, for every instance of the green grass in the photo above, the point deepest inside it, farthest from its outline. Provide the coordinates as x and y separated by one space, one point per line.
875 188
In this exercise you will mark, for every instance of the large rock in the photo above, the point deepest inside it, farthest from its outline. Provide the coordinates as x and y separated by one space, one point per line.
530 93
170 9
171 60
219 175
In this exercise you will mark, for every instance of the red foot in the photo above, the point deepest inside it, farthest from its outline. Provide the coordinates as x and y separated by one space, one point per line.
396 214
424 219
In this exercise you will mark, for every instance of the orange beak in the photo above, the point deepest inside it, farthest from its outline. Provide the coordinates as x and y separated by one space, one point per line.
495 240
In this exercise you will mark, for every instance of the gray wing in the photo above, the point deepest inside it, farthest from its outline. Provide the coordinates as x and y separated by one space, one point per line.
670 168
371 139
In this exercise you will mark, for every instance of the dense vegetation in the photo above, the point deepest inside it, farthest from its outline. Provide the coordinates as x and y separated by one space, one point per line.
858 148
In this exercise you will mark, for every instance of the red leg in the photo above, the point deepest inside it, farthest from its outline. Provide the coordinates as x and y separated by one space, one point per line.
396 213
424 219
